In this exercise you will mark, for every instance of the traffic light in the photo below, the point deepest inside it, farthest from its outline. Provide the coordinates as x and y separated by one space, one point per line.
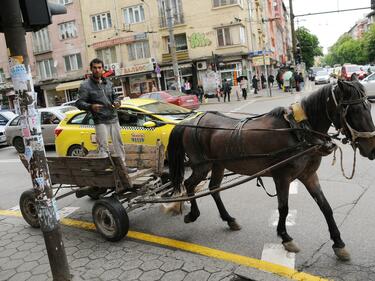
373 4
37 14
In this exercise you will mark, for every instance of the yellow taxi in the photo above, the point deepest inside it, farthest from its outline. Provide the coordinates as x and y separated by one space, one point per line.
142 121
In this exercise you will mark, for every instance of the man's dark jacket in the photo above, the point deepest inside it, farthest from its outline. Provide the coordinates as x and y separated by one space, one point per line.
92 92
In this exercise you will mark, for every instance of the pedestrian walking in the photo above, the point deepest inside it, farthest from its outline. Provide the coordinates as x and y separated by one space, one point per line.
263 80
243 85
255 84
96 95
271 79
187 87
226 90
301 81
279 79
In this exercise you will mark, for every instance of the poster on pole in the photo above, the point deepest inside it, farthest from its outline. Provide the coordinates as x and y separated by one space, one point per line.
210 81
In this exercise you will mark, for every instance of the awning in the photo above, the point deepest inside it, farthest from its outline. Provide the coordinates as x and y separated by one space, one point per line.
69 85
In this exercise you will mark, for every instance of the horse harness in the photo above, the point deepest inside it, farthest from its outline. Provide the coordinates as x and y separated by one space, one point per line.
342 106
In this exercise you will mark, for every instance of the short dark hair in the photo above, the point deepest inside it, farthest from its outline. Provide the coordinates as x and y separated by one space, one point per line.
96 61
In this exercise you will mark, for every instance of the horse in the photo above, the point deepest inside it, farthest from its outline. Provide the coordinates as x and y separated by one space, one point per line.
214 142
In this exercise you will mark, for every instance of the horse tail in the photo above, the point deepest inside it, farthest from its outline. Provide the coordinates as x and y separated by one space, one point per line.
176 157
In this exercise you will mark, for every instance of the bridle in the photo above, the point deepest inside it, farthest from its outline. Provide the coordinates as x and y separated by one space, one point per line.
342 107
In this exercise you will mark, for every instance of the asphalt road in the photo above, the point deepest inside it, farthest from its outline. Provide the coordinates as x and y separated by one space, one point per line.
351 200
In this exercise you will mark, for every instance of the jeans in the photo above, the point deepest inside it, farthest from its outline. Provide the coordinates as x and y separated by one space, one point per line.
104 132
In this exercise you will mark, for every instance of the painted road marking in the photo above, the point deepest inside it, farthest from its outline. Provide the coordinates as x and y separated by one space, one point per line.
290 219
293 188
275 253
243 106
197 249
66 211
10 160
15 208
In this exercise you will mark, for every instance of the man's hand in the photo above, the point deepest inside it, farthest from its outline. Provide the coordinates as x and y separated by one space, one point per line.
96 107
116 104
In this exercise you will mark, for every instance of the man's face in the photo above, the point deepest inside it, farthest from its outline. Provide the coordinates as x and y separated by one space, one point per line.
97 70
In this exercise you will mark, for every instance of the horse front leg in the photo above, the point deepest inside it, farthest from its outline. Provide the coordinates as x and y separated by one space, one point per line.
198 175
282 188
313 186
216 179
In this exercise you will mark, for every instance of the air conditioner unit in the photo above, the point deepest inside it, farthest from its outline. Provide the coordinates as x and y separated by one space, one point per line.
202 65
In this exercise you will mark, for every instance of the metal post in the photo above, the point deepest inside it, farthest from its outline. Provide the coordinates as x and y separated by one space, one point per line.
294 41
265 30
26 106
172 45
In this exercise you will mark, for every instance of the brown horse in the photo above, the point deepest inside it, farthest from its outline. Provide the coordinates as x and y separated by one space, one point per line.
215 142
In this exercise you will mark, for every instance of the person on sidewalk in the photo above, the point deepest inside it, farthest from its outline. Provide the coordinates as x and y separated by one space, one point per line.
227 89
255 84
271 79
301 81
263 80
96 95
243 85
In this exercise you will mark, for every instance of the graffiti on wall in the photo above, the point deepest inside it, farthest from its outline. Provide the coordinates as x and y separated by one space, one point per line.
198 39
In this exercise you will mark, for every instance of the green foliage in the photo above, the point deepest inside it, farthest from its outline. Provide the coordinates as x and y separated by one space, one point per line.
309 44
349 50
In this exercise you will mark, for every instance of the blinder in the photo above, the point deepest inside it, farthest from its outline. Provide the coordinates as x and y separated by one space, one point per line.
342 106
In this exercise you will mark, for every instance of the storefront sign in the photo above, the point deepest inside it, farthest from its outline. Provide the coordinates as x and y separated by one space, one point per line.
118 41
137 68
259 60
198 39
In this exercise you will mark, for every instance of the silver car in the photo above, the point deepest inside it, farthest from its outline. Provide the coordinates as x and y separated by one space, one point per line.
369 84
5 118
322 77
50 117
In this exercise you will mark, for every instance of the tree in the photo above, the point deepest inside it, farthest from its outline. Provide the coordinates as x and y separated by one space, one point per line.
369 44
309 44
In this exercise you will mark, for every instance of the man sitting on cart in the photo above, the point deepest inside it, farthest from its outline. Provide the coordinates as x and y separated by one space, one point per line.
96 95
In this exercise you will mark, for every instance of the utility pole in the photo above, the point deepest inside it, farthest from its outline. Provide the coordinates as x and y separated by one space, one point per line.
172 45
294 41
35 156
265 35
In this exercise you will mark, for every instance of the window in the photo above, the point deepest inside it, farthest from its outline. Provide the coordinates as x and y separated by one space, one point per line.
41 41
73 62
64 2
2 76
134 14
180 42
101 21
107 55
15 122
220 3
3 120
78 119
223 36
242 35
176 7
67 30
48 118
139 50
46 69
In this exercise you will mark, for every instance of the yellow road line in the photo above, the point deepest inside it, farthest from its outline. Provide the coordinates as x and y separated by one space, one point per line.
197 249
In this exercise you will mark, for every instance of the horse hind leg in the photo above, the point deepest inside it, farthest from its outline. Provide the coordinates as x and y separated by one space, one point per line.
198 175
282 187
216 179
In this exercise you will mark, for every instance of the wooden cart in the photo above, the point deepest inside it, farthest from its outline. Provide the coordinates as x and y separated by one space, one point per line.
106 180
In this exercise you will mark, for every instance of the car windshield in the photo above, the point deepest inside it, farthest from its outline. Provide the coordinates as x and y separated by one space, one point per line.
168 110
322 73
66 109
353 68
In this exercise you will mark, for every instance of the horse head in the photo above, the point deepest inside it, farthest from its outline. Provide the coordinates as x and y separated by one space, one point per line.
350 112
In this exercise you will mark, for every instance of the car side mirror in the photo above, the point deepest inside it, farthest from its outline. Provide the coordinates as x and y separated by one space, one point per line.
149 124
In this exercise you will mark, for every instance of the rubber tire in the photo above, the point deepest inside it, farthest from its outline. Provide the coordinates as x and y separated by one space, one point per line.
19 145
114 211
76 146
27 201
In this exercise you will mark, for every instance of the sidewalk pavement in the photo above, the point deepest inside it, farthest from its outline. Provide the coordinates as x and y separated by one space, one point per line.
23 257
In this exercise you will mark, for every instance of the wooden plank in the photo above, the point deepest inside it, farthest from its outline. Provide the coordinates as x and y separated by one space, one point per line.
139 148
79 162
82 173
101 181
142 164
141 156
122 174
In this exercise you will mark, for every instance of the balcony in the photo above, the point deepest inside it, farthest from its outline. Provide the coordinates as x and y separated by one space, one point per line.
181 56
178 18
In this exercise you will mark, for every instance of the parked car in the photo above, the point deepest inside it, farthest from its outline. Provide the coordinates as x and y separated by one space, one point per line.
174 97
369 84
336 73
139 121
322 77
50 117
5 118
350 71
312 72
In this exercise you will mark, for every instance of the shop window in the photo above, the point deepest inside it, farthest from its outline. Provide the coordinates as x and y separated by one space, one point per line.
107 55
101 21
134 14
139 50
73 62
224 37
67 30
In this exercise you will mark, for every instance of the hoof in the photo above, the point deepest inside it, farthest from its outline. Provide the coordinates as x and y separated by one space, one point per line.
342 254
233 225
291 247
188 218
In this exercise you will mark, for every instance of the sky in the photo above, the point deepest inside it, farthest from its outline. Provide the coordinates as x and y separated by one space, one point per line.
328 27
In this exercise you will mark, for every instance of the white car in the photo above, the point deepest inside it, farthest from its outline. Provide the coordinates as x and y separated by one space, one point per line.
369 84
5 118
322 77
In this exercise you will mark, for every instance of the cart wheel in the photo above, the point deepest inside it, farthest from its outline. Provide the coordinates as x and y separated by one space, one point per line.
110 218
28 208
